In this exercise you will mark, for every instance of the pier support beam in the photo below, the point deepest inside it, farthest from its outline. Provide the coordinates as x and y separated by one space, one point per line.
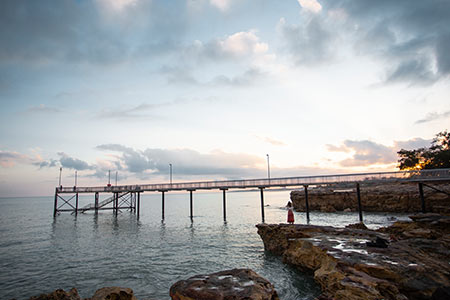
138 203
55 208
96 203
224 205
422 197
162 205
76 204
306 203
191 204
358 195
262 203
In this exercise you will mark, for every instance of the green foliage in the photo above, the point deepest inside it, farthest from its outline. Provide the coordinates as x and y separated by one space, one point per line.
436 156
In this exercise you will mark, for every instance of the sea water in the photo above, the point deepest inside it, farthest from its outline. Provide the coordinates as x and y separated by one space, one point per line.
39 253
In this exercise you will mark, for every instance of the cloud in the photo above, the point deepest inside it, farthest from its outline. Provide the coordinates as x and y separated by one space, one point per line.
311 5
42 109
243 44
248 78
95 33
271 141
433 116
412 36
139 112
310 42
366 153
9 159
187 162
223 5
73 163
411 39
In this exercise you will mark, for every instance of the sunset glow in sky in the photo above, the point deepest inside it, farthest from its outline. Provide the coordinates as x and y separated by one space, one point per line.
212 86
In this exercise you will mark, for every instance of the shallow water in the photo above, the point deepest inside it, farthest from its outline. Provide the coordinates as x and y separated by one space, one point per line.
39 253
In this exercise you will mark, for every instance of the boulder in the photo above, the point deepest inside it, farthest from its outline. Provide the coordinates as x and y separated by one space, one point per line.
114 293
59 295
226 285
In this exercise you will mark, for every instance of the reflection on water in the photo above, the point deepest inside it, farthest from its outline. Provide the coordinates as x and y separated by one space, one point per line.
39 254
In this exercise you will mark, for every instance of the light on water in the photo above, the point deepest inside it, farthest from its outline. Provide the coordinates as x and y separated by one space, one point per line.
40 254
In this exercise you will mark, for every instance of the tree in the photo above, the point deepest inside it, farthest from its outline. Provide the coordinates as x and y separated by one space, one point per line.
436 156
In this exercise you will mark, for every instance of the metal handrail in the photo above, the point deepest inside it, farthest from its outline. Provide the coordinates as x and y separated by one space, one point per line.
393 176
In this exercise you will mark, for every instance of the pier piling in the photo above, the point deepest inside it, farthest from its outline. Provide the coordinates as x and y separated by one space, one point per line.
262 203
162 205
96 203
191 204
422 197
56 203
306 203
358 195
224 205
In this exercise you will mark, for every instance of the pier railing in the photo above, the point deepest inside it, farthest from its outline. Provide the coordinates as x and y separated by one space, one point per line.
384 177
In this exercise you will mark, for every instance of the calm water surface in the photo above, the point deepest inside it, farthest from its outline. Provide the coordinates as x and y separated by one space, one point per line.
40 254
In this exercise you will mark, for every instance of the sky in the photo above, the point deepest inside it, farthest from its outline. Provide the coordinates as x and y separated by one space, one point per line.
214 86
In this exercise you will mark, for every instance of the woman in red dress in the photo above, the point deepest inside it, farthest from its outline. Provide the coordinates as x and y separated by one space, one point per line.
290 217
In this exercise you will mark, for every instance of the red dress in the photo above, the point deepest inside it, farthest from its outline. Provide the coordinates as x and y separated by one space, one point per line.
290 218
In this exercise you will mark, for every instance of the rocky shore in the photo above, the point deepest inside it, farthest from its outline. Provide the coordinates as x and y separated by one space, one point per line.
375 198
408 260
235 284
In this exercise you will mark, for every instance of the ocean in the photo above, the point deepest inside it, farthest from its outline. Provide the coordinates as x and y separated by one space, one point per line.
39 253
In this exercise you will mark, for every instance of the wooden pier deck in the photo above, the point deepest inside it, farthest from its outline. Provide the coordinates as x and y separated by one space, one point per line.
128 196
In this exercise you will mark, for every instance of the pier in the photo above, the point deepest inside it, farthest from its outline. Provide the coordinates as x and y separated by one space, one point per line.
128 197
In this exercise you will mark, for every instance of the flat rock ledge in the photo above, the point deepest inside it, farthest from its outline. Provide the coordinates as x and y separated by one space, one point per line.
106 293
408 260
233 284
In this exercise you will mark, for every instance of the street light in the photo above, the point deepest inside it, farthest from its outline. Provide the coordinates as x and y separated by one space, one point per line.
109 178
116 178
170 168
60 171
75 179
268 167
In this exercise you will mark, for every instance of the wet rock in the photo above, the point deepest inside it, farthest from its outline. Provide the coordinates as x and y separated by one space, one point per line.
226 285
113 293
59 295
414 266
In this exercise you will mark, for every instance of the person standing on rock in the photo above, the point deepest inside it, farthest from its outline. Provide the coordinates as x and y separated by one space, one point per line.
290 216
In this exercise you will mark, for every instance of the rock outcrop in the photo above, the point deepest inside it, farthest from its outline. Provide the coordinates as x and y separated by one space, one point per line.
106 293
226 285
59 295
352 263
113 293
377 198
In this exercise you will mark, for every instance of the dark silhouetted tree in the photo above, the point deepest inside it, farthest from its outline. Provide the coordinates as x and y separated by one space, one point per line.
436 156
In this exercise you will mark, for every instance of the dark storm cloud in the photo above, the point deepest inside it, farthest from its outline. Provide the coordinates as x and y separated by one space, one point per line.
412 37
187 162
86 31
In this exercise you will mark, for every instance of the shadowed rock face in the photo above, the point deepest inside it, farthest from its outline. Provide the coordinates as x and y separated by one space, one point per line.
226 285
376 198
415 265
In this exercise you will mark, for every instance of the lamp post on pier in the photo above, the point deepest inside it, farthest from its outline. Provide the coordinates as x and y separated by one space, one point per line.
116 178
60 171
75 179
170 171
268 167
